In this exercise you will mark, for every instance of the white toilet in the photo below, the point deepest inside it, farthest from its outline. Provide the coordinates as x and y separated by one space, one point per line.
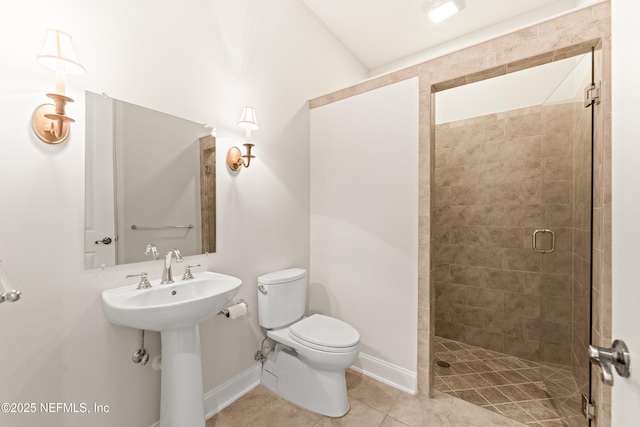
307 366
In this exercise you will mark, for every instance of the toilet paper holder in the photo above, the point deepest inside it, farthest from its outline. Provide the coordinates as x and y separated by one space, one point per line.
225 311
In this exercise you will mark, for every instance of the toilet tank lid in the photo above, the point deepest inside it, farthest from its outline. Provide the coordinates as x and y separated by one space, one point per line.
282 276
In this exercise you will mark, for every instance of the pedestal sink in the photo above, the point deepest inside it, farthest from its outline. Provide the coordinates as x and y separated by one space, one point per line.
175 310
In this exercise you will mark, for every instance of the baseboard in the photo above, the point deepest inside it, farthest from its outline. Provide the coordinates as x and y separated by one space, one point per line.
228 392
385 372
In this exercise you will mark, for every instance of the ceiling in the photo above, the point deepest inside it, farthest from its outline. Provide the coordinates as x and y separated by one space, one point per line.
380 33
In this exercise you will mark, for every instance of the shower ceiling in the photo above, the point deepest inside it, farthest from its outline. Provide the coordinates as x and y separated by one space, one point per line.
379 32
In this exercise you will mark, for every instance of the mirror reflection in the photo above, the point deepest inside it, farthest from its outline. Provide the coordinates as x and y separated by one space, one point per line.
150 179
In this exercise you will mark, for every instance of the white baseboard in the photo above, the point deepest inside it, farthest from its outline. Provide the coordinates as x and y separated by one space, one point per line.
385 372
228 392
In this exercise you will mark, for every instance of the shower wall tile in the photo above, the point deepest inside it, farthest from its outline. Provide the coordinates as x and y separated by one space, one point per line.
525 305
482 257
489 299
504 280
483 338
555 309
556 285
557 192
557 354
519 176
558 263
558 215
520 347
521 259
557 168
503 237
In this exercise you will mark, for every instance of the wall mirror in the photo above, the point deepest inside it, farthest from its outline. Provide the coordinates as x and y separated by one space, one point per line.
150 179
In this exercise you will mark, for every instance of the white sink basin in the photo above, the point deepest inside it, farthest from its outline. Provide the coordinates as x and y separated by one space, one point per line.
175 310
171 306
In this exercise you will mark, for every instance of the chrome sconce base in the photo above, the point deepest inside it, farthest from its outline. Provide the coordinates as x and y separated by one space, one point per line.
49 122
235 158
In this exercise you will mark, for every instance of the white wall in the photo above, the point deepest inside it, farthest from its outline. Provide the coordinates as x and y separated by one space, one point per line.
202 60
625 64
529 87
364 224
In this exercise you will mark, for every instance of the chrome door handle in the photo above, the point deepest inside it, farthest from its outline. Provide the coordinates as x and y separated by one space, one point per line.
616 356
534 241
105 241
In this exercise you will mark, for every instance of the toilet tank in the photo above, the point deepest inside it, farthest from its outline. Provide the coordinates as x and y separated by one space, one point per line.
282 296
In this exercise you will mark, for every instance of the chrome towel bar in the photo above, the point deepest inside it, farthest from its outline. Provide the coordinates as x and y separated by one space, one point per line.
162 227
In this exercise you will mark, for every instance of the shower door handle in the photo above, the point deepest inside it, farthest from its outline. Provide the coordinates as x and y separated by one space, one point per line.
534 241
608 358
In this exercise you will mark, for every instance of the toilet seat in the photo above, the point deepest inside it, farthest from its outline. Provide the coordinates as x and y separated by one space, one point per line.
325 333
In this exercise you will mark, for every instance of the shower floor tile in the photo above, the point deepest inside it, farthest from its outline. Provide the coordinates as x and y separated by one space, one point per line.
532 393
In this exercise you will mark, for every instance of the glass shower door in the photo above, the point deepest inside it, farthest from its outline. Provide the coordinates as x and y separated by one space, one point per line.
565 238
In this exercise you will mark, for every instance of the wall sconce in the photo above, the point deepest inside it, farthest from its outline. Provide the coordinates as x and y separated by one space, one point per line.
49 121
248 122
439 10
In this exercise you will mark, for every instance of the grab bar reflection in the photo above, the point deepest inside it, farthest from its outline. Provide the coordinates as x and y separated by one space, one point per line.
162 227
9 294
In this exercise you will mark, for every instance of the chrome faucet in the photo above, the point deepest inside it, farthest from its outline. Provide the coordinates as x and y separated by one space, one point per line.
152 250
167 277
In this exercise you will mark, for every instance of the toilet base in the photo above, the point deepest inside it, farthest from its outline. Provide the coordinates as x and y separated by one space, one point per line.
317 390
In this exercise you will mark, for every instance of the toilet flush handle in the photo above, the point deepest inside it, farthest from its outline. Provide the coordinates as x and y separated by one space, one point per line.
262 289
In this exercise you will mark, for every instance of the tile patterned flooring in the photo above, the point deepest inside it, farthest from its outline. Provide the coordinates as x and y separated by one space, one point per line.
536 394
482 388
373 404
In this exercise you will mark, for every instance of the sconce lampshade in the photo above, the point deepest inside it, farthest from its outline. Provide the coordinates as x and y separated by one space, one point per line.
248 121
57 50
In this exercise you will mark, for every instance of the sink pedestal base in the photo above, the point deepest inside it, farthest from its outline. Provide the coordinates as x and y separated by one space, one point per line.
181 395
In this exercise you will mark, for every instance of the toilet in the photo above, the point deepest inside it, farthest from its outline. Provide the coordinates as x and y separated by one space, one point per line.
307 366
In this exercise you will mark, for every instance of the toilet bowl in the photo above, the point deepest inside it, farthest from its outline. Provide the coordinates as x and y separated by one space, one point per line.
307 366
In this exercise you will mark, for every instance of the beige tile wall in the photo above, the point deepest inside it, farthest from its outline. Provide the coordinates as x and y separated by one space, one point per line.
564 36
497 179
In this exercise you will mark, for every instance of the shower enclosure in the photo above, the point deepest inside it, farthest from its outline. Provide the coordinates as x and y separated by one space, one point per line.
512 242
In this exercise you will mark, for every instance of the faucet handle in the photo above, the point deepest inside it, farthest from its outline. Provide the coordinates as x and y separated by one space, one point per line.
144 282
152 250
187 272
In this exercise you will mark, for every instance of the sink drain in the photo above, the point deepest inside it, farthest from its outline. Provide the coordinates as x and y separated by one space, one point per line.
443 364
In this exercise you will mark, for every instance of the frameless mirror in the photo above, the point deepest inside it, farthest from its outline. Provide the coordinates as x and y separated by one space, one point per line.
150 179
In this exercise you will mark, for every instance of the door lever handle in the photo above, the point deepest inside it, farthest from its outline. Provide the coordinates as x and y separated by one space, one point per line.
608 358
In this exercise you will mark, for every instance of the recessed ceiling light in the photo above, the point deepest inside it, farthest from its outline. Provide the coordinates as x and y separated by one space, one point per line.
439 10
